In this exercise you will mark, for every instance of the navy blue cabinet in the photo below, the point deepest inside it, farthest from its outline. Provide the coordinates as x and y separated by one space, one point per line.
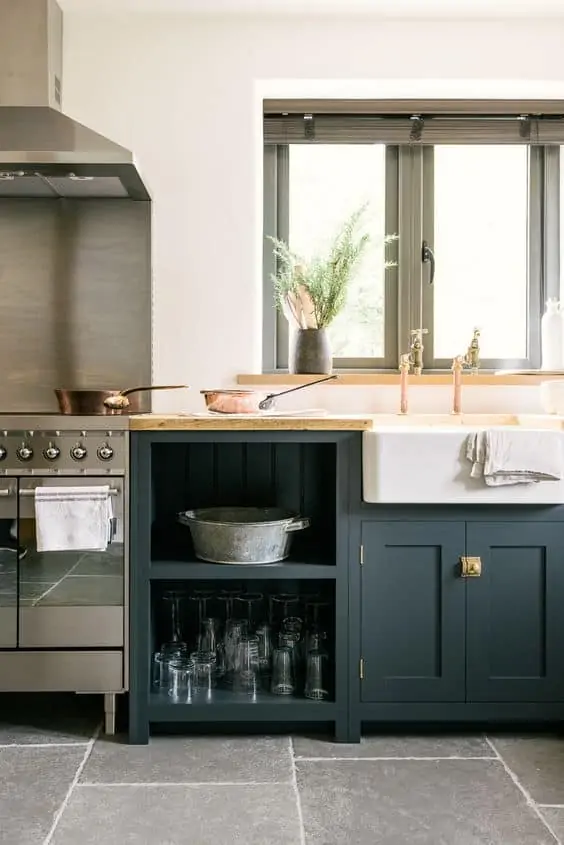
515 612
412 612
461 616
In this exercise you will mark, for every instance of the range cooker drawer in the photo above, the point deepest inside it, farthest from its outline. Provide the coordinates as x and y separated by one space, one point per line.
79 627
61 671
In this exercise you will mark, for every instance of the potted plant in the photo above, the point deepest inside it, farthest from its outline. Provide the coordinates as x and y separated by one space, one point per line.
311 294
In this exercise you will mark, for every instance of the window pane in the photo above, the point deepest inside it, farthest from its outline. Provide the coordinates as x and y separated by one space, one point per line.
327 184
480 243
561 224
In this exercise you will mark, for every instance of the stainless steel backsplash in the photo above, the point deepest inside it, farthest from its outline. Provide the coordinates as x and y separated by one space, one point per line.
75 298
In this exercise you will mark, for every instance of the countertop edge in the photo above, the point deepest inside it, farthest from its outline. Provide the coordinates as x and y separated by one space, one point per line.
186 422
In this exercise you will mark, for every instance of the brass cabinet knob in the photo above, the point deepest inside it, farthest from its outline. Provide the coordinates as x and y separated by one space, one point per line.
470 567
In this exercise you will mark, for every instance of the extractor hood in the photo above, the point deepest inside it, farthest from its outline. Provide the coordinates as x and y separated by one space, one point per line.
44 153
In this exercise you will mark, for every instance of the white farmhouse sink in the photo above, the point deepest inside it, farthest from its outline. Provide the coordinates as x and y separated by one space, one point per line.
424 464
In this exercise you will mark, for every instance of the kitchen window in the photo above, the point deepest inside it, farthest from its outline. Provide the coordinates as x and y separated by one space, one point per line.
481 190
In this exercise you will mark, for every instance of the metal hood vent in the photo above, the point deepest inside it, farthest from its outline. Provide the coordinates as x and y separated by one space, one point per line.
44 153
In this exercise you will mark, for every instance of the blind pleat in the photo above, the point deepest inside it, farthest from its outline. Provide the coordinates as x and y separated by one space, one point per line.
366 129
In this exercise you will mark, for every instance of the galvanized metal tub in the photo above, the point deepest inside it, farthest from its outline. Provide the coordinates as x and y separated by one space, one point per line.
242 535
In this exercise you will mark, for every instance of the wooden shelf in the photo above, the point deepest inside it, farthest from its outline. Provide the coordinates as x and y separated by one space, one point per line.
162 570
237 707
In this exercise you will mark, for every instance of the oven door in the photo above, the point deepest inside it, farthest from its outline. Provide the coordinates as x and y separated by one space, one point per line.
8 564
70 599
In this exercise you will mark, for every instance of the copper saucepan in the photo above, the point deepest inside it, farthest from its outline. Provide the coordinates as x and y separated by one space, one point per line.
88 401
249 401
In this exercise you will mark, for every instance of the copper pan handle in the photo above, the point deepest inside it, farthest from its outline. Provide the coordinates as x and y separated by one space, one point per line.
154 387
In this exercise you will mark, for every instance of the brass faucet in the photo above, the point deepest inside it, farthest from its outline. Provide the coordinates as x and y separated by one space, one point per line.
416 350
472 357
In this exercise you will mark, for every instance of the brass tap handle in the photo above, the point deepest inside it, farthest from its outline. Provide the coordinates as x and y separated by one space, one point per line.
416 349
472 357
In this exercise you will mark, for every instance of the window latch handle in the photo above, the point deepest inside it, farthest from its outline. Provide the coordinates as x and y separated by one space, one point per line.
428 257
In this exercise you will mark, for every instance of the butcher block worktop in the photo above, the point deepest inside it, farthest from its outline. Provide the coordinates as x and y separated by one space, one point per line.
232 422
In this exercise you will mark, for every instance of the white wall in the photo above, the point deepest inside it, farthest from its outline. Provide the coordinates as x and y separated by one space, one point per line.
185 94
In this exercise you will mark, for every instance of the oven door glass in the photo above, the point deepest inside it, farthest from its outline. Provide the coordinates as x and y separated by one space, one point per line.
8 564
70 598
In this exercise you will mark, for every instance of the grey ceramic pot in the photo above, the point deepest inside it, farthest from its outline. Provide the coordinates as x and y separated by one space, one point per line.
310 352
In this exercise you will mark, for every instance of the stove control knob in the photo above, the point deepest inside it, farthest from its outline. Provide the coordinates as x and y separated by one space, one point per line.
3 453
25 452
51 453
105 452
78 452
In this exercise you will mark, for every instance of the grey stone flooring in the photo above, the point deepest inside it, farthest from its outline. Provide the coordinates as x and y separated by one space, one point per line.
62 784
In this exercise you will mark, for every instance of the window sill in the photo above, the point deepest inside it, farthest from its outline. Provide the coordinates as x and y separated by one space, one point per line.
482 378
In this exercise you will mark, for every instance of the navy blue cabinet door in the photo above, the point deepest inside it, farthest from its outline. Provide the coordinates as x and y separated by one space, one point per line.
515 612
412 605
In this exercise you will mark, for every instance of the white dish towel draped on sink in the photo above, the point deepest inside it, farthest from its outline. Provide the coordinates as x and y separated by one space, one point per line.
517 456
73 518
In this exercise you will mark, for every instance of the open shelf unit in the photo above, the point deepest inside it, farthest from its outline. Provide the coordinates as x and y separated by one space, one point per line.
298 471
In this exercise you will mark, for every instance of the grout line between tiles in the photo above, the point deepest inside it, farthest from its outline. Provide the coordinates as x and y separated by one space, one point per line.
297 793
526 794
44 744
388 759
166 784
49 838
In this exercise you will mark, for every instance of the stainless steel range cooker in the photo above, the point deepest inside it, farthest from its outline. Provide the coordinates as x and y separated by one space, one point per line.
63 615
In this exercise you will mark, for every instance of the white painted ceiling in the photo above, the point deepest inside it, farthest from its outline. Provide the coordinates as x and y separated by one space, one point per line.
418 9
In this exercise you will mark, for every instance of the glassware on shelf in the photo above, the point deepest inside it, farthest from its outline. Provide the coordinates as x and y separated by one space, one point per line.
162 659
315 638
292 643
174 602
282 682
292 625
316 675
282 605
250 605
202 600
247 677
180 680
316 610
235 630
226 598
208 639
263 633
205 664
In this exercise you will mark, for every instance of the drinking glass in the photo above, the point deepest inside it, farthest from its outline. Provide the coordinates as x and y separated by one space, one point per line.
204 671
291 642
264 647
226 599
314 639
180 680
250 604
234 631
282 605
174 602
282 682
201 599
169 653
247 677
209 635
316 610
316 675
292 625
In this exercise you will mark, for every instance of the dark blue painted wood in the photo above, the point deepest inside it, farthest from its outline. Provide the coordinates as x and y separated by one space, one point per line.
139 587
515 612
412 612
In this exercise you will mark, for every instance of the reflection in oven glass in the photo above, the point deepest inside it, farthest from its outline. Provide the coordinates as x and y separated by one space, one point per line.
72 578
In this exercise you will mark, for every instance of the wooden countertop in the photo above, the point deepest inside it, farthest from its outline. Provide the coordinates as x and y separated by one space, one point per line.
188 422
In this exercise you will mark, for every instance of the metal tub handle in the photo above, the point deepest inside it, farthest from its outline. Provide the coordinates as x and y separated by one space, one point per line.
7 492
299 523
